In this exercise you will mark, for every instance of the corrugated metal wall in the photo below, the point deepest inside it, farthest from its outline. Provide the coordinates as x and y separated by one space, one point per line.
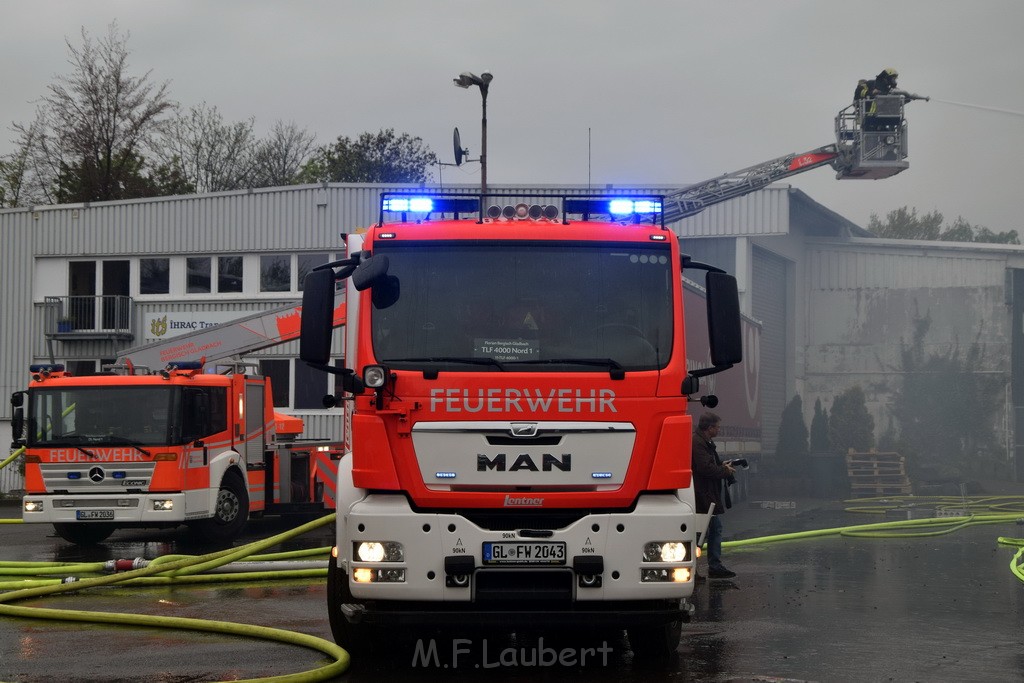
769 297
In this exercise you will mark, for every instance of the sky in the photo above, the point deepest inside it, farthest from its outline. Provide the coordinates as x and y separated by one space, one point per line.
632 92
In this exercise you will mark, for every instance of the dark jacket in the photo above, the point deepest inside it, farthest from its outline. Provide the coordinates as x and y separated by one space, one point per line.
708 475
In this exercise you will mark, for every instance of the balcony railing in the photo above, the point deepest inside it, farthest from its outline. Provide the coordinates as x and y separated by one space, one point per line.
88 317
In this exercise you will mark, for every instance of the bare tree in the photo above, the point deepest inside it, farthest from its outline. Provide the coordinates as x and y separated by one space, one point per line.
92 127
282 155
209 153
15 172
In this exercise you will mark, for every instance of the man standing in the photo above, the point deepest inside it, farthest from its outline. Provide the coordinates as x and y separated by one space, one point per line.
709 475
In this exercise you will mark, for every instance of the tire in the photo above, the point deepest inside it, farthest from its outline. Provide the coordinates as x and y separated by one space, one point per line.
655 642
84 534
230 512
355 638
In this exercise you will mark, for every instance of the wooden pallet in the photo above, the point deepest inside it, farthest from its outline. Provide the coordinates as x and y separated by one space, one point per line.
877 474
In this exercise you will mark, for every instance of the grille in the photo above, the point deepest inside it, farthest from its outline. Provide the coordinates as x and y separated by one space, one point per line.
523 587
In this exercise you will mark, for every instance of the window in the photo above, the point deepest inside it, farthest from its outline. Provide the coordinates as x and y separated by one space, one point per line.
278 371
310 387
307 262
197 275
81 368
154 276
275 273
229 274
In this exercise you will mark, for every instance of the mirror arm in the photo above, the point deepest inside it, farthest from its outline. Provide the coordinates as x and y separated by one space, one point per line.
704 372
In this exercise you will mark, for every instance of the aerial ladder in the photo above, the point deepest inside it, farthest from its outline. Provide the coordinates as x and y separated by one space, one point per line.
230 340
871 144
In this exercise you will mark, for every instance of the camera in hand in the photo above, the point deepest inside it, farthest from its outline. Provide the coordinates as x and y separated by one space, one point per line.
739 463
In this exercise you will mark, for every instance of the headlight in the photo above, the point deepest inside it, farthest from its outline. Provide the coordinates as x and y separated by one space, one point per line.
163 505
375 376
379 551
33 506
666 551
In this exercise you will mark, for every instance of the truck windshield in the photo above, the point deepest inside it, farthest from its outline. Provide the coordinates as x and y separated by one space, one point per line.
529 306
82 415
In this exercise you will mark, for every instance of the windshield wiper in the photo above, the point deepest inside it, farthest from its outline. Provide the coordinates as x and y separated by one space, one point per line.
614 367
67 441
122 441
449 359
599 362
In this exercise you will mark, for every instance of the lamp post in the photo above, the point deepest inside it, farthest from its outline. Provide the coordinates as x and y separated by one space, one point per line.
465 80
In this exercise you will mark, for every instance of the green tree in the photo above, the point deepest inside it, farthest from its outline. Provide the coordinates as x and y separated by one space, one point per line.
93 127
791 451
383 157
904 223
819 440
850 425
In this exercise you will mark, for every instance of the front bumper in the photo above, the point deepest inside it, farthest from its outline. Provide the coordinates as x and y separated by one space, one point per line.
117 509
444 572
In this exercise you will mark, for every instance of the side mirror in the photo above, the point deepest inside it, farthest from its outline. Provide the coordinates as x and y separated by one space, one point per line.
370 271
317 317
724 332
18 426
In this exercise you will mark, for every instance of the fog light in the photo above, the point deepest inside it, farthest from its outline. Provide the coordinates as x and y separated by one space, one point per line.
33 506
363 575
653 575
379 551
164 505
391 575
66 503
681 574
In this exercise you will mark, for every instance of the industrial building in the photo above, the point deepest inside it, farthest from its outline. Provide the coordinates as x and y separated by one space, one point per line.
83 281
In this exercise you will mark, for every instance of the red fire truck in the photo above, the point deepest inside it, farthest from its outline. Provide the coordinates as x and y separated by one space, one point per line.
168 436
519 437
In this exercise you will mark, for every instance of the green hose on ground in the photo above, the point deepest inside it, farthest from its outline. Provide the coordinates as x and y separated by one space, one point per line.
177 569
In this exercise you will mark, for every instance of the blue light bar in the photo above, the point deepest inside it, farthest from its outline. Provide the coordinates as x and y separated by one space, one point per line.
74 475
444 475
118 475
601 475
413 204
626 207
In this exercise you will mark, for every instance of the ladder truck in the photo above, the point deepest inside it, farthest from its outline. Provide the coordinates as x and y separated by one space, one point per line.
518 447
161 438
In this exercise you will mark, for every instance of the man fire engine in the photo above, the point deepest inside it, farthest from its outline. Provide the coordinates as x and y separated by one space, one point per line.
520 448
519 438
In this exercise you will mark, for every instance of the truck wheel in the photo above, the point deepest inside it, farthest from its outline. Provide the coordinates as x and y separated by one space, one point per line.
84 534
655 642
230 512
353 637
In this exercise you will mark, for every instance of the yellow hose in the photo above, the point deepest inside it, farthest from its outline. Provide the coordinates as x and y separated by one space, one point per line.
187 567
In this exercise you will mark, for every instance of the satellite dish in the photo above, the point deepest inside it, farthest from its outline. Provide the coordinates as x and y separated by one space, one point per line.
457 143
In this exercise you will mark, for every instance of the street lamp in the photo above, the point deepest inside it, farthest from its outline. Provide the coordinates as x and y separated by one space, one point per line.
465 80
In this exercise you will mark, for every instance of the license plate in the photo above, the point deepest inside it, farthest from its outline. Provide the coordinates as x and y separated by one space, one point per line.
94 514
522 552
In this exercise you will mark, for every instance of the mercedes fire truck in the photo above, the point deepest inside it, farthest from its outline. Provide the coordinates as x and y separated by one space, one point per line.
177 431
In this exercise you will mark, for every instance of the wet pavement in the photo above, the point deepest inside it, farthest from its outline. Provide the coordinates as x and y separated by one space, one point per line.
824 609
